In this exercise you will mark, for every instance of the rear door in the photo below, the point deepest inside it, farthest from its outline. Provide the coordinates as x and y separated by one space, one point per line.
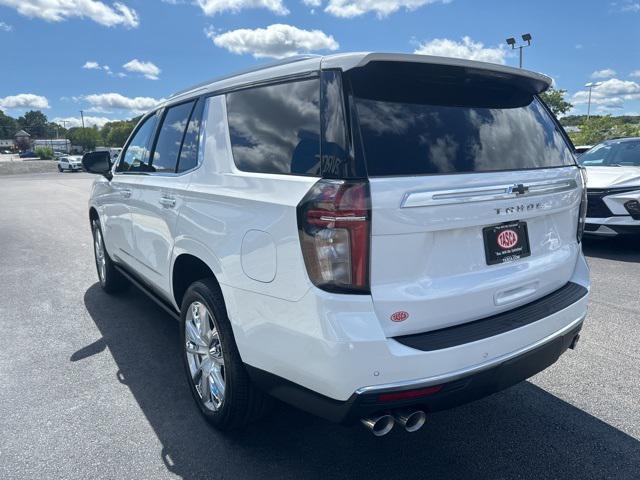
475 196
157 196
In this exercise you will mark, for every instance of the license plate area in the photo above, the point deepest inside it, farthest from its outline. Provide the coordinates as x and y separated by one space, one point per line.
506 242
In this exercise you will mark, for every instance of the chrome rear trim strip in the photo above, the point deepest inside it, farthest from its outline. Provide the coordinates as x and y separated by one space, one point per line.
429 198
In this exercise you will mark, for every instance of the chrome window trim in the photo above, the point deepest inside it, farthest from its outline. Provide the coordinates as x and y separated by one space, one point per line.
201 137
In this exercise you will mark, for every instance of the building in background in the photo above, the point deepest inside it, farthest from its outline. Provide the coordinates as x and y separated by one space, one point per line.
7 144
57 145
22 140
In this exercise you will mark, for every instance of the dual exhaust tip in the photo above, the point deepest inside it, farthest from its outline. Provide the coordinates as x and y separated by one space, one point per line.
411 420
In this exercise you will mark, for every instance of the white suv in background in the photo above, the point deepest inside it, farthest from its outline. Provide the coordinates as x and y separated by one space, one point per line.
369 237
72 163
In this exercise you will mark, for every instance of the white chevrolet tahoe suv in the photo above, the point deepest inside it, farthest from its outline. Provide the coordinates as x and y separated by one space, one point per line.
369 237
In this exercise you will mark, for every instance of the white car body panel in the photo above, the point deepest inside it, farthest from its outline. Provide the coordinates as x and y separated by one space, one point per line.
155 205
425 259
609 177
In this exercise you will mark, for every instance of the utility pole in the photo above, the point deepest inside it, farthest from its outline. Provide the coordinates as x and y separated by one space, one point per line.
512 43
82 115
590 86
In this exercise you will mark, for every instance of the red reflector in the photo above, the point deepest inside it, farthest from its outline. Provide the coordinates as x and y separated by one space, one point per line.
409 394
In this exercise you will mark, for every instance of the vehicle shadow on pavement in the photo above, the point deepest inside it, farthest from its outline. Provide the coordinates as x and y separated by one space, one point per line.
523 432
622 249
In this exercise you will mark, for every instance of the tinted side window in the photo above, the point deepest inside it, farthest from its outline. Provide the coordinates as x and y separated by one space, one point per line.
189 152
167 149
276 128
135 158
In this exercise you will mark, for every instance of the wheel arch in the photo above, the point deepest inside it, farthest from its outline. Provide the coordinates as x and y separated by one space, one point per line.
93 215
192 262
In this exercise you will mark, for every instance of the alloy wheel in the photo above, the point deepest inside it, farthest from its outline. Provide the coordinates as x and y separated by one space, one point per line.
101 260
204 356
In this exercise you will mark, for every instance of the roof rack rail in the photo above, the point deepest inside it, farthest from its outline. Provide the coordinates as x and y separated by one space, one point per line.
284 61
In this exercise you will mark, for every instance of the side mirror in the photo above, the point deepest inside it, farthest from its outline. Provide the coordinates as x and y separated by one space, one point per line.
98 163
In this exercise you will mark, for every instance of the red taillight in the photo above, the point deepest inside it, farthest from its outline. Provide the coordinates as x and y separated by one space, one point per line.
334 220
409 394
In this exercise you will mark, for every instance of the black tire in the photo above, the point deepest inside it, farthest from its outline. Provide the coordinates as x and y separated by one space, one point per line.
243 402
60 169
112 281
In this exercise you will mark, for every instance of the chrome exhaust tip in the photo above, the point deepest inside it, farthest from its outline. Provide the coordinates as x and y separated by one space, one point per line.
379 425
411 420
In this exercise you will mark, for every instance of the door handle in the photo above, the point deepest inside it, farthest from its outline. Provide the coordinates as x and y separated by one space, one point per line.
126 193
167 202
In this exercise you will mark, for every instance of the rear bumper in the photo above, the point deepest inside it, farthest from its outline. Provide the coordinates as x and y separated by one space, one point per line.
334 344
448 392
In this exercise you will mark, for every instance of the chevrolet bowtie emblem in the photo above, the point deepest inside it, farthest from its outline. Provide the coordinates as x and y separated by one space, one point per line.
520 189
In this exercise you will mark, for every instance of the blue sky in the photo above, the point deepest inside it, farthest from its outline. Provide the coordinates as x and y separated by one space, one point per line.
114 60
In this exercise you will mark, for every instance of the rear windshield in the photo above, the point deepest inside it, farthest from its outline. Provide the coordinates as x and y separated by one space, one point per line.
417 120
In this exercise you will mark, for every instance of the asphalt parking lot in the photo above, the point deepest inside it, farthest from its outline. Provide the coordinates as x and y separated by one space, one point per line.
92 385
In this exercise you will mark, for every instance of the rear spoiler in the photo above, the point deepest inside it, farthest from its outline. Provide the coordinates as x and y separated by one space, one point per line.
531 81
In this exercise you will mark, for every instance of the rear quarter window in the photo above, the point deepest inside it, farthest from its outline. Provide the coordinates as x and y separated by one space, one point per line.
276 128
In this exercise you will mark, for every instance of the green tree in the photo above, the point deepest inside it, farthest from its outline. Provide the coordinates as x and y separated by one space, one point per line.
118 134
8 126
600 128
35 123
56 130
87 138
44 153
555 101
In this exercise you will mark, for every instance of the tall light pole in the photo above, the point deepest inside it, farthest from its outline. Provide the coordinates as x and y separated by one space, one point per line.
512 43
82 115
590 86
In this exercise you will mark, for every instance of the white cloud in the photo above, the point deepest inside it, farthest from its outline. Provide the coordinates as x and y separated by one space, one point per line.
627 6
5 27
579 46
382 8
59 10
614 86
91 65
211 7
89 121
24 101
467 48
148 69
312 3
635 73
103 101
611 93
605 73
275 41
